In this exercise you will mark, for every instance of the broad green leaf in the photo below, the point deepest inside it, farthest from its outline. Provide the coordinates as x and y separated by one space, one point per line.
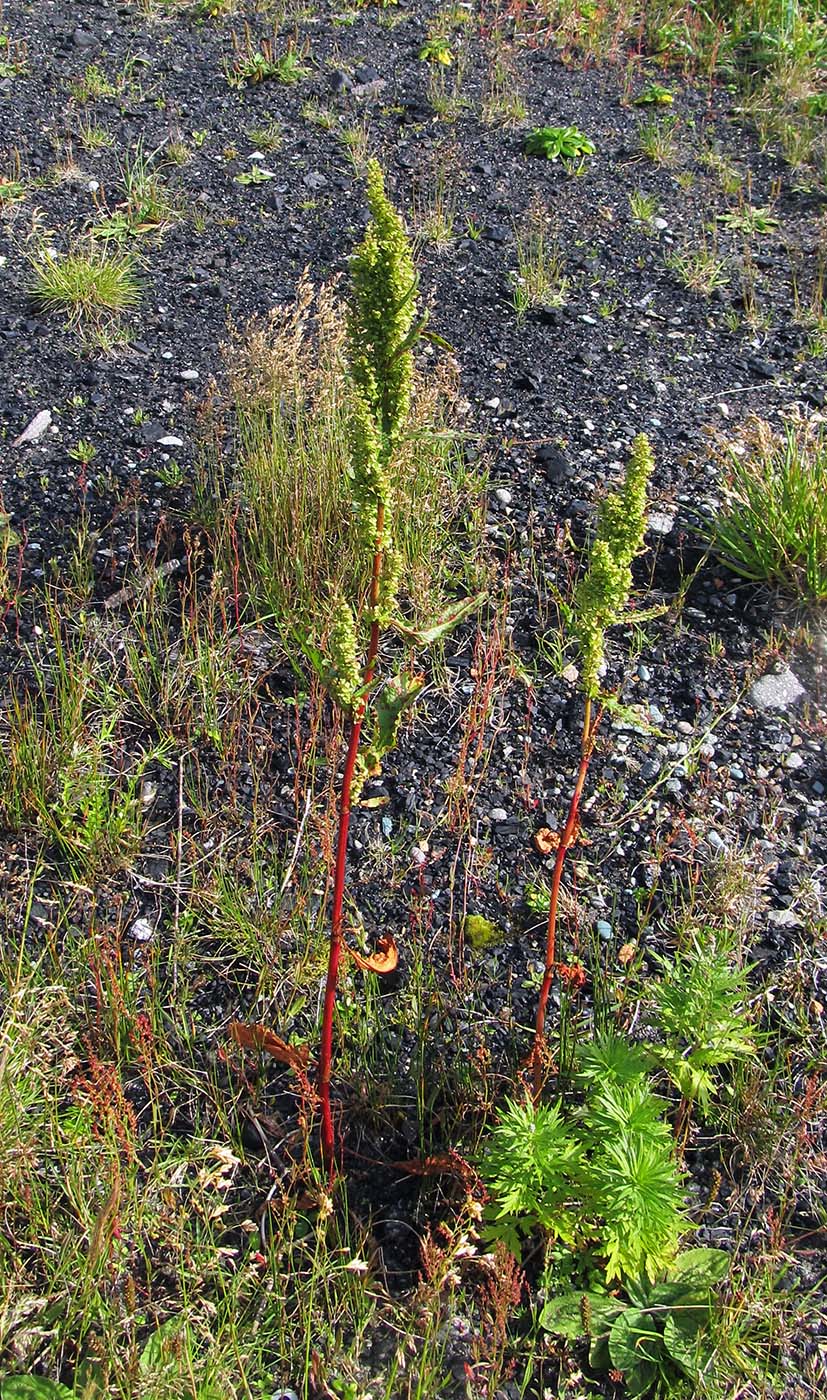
670 1295
435 631
682 1341
565 1315
642 1380
599 1358
160 1349
34 1388
700 1267
633 1340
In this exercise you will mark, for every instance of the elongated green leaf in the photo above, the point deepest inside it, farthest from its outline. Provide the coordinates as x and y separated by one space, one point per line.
599 1358
675 1295
160 1349
683 1340
435 631
391 703
634 1339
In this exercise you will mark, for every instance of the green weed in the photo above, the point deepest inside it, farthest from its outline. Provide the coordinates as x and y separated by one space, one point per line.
85 283
773 525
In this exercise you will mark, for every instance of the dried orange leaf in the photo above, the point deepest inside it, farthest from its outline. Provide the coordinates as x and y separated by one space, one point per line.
626 953
384 959
257 1037
440 1164
546 840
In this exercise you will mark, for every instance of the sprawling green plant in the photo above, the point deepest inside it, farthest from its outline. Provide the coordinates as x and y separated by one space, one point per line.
660 1336
602 1180
700 999
559 142
600 599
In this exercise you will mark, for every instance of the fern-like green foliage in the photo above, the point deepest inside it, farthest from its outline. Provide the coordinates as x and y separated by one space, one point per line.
630 1107
604 1178
637 1194
610 1059
700 1000
533 1164
602 594
634 1178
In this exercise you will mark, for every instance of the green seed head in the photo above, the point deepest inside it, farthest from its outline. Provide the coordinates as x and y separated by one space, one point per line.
344 680
381 313
602 594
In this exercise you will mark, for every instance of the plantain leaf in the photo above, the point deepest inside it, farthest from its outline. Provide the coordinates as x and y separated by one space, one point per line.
566 1315
700 1267
161 1348
687 1349
634 1340
34 1388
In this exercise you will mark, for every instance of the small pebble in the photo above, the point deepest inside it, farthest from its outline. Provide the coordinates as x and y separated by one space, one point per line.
604 930
659 523
142 931
498 814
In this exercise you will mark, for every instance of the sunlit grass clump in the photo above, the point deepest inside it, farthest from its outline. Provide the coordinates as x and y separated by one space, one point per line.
289 410
86 284
773 525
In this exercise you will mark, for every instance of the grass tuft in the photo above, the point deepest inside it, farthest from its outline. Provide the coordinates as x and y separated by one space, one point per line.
85 283
773 527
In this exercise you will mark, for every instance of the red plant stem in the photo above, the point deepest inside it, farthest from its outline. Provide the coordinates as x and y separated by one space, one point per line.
328 1143
567 839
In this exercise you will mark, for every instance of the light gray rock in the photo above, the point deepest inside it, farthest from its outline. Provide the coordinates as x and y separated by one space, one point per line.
777 690
659 523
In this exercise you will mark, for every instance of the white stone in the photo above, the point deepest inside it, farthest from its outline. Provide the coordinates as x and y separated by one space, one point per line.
35 429
776 691
660 523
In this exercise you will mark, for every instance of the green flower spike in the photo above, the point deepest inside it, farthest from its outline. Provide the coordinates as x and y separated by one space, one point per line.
602 594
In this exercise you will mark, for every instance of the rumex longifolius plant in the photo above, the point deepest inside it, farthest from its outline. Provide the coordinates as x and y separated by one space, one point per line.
600 600
381 332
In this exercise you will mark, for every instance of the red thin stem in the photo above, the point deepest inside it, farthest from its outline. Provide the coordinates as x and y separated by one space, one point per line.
328 1143
567 839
